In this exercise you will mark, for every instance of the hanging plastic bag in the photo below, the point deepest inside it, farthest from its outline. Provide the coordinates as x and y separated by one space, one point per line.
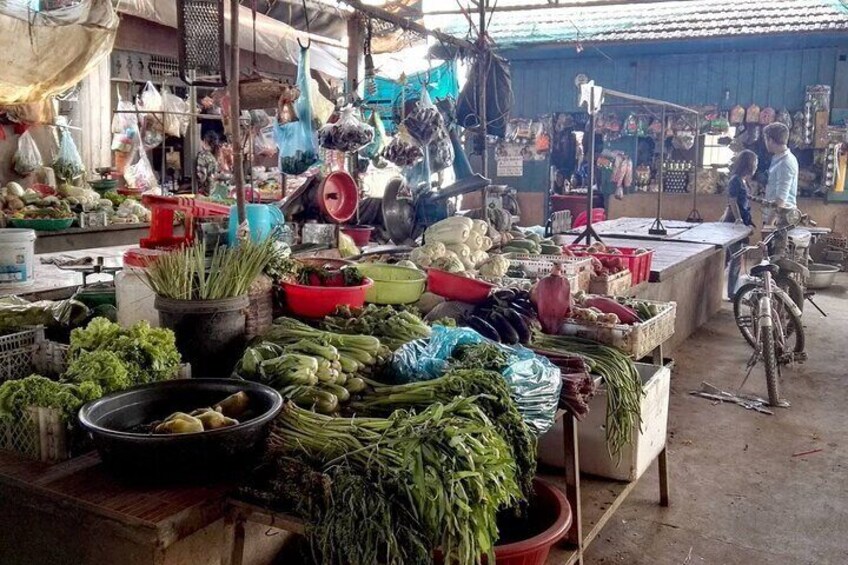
68 163
297 141
348 134
403 151
125 117
263 142
140 175
124 141
27 157
425 120
176 118
373 149
534 381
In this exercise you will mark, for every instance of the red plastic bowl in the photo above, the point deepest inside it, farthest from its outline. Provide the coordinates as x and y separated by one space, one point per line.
338 197
319 301
457 287
361 235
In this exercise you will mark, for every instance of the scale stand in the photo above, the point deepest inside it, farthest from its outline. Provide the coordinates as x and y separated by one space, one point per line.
694 217
657 228
589 234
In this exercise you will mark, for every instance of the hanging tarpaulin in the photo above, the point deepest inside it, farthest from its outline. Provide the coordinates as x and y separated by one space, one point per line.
46 52
390 94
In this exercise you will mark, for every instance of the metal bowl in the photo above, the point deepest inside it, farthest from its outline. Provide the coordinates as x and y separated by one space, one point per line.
174 458
821 275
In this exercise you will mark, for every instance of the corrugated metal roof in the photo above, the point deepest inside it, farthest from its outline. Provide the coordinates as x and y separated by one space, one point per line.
687 19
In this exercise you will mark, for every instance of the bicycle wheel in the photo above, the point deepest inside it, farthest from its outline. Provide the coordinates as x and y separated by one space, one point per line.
793 289
769 358
746 303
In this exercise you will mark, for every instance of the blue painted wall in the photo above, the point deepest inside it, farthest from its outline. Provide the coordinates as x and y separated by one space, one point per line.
686 73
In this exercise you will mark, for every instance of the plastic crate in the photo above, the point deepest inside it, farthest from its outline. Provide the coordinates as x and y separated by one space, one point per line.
41 434
636 340
639 265
27 352
613 285
537 266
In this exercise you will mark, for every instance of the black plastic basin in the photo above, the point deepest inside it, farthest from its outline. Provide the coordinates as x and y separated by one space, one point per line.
178 457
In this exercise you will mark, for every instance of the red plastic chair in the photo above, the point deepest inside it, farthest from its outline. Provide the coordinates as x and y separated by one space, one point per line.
598 215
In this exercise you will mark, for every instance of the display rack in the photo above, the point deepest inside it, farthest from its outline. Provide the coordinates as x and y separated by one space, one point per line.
594 97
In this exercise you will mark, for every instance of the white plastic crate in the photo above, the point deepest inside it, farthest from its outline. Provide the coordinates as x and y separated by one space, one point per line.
27 352
537 266
644 446
41 435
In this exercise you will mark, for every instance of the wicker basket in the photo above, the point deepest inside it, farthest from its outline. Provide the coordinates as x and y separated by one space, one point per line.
612 285
260 310
637 340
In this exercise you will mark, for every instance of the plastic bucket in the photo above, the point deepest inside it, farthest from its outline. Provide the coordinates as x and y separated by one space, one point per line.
393 284
360 235
319 301
457 287
210 333
261 219
17 250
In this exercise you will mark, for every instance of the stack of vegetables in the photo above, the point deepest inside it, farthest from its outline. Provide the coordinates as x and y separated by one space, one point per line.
392 326
457 244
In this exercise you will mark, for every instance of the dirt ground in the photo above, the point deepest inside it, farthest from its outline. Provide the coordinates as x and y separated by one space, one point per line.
742 489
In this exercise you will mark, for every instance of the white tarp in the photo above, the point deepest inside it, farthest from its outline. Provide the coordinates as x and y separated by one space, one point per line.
45 53
273 38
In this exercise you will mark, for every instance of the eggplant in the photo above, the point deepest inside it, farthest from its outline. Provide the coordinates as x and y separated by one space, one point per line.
504 328
517 323
484 328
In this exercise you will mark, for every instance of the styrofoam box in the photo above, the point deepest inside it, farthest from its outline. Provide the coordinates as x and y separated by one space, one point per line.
637 455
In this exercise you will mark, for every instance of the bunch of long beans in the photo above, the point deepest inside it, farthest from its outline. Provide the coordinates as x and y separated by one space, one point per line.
448 461
492 395
183 274
621 379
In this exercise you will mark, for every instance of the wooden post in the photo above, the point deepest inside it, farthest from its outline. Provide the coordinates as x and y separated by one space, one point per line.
235 110
482 54
355 55
94 117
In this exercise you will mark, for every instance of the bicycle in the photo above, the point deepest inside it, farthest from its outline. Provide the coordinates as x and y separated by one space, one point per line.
768 318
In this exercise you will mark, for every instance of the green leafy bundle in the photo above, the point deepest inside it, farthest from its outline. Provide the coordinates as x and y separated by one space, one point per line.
102 367
35 390
394 328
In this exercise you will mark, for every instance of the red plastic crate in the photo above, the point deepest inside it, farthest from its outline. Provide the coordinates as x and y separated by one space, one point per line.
639 265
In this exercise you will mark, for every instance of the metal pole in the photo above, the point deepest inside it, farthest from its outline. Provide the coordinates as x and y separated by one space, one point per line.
657 227
235 110
482 58
695 215
191 141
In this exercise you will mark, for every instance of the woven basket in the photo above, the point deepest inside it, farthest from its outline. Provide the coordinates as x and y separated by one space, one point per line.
612 285
637 340
259 93
260 310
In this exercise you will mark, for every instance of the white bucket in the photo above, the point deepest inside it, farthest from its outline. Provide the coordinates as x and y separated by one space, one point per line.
17 252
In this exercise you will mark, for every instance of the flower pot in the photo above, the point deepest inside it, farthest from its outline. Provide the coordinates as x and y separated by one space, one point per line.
210 334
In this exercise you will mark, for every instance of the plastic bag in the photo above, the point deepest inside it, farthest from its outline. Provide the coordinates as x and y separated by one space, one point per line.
263 142
534 381
140 176
27 157
17 313
425 121
68 163
403 151
122 121
297 141
372 150
125 140
176 122
348 134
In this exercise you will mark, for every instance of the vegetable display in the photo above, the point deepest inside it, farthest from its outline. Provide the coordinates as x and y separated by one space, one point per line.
392 327
222 415
552 297
184 274
507 316
348 134
448 462
621 380
37 391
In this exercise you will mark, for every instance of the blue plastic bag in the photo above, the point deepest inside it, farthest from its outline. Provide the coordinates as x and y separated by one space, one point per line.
298 141
534 381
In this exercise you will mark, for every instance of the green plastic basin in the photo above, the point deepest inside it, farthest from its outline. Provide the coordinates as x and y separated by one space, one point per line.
393 284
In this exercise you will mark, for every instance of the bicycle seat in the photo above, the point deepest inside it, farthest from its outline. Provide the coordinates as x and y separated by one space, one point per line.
762 268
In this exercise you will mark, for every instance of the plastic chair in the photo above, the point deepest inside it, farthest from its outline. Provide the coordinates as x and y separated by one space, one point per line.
598 215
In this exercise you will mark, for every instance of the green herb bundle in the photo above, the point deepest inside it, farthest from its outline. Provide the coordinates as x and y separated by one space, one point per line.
393 327
448 461
621 380
183 274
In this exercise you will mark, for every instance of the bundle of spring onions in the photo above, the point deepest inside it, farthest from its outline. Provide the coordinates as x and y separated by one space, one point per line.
621 380
183 274
448 462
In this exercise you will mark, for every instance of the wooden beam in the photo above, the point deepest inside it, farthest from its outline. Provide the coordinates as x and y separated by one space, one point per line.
408 24
355 55
235 110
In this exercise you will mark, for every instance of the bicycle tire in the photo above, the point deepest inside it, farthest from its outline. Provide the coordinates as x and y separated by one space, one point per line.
748 333
793 289
769 357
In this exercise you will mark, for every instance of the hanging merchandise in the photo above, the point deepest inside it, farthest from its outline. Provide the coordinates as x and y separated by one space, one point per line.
767 116
424 121
684 134
737 115
655 130
612 126
68 163
125 117
375 148
542 143
403 150
150 101
263 142
348 134
140 176
297 141
176 117
151 132
27 157
785 118
286 112
125 141
631 125
809 122
440 82
440 151
642 126
797 131
499 96
752 114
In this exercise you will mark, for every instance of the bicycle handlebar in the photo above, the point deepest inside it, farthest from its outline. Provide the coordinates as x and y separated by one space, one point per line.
764 242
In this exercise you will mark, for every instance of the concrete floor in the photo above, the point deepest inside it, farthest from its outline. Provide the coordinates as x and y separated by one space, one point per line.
738 494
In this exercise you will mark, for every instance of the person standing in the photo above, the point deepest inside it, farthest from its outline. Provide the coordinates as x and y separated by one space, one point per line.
206 166
782 186
738 211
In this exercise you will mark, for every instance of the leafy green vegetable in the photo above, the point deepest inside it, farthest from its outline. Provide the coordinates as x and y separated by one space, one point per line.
101 367
392 327
35 390
149 354
484 355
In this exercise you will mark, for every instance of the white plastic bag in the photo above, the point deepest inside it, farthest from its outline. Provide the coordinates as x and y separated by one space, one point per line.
151 102
176 121
122 121
140 176
27 157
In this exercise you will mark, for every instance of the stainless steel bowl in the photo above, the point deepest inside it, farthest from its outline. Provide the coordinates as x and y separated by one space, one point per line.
821 275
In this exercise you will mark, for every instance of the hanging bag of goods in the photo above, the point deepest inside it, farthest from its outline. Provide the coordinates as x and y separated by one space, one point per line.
374 149
349 134
403 151
68 163
297 141
27 157
425 120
